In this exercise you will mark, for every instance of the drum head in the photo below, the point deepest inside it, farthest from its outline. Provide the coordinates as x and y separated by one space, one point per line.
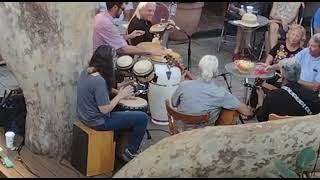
124 62
142 67
134 102
152 45
157 28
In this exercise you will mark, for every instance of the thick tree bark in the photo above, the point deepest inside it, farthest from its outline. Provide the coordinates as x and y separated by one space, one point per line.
227 151
46 45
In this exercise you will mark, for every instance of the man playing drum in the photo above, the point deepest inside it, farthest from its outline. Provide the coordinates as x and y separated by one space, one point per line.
204 96
106 33
95 108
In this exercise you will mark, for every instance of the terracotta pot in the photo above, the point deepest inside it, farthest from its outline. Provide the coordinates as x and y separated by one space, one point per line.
187 18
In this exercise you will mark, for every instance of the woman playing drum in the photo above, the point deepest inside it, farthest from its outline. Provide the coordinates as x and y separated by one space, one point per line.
95 108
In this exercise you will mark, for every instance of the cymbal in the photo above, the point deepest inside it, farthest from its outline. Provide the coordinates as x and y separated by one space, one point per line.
156 28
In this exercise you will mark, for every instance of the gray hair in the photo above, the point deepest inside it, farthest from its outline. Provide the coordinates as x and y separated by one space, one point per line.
140 6
290 69
316 38
208 67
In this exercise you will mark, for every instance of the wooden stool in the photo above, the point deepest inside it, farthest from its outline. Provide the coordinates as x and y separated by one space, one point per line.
93 152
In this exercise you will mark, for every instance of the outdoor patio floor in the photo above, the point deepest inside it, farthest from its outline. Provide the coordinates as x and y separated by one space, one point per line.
43 166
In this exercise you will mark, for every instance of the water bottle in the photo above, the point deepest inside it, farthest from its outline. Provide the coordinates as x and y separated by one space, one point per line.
242 8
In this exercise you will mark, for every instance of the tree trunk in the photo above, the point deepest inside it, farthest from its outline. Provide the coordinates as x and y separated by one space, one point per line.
46 45
227 151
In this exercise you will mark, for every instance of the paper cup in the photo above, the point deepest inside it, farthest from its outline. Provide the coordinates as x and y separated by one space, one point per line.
250 9
9 139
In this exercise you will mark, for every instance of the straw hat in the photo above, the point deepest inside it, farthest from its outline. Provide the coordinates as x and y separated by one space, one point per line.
143 70
124 62
249 20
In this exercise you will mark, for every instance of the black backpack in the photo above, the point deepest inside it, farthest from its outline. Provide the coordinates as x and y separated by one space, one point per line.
13 112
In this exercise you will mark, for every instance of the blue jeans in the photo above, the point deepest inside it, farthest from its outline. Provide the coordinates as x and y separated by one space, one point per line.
136 121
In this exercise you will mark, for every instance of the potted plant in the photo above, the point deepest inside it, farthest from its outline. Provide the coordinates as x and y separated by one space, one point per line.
187 18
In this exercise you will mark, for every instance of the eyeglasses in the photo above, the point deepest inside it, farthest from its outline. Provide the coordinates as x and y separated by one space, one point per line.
122 8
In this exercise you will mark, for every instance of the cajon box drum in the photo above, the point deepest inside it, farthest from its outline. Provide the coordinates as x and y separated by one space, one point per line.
93 152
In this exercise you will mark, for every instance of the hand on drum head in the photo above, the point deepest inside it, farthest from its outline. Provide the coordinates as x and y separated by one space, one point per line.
125 92
157 52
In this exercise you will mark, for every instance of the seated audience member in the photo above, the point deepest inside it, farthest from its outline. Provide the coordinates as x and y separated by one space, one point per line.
106 33
141 20
316 22
294 42
291 99
282 15
95 108
243 38
309 60
204 96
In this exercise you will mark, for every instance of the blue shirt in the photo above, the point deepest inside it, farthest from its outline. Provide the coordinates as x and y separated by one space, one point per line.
316 19
92 92
200 97
310 66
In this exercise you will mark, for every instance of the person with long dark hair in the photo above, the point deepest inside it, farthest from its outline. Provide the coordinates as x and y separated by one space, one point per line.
95 108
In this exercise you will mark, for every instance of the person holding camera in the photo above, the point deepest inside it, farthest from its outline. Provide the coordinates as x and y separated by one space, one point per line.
95 108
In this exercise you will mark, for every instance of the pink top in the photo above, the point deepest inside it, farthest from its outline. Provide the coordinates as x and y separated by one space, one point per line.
106 33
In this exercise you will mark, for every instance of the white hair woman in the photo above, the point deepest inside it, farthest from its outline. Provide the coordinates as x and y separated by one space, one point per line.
141 20
291 99
204 96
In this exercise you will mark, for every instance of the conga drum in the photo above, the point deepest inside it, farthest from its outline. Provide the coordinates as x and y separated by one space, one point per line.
124 63
168 79
143 70
124 66
133 104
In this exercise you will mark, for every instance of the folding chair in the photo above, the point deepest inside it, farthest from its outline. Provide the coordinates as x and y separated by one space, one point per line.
224 31
174 115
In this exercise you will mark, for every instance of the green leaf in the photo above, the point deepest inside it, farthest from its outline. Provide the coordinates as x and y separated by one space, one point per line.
305 159
284 170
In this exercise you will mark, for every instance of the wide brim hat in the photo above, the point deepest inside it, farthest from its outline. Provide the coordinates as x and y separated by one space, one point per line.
249 20
124 62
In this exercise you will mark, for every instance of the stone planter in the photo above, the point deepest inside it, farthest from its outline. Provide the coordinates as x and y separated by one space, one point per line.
187 18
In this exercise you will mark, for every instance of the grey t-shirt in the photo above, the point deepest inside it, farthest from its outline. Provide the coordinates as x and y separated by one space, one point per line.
92 92
200 97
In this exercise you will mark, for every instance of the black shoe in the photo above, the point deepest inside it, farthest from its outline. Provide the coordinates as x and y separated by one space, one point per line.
127 155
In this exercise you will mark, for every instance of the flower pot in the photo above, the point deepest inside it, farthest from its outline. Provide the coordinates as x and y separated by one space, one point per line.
187 18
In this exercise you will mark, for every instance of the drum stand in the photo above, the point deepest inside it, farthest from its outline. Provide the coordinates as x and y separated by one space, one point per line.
189 47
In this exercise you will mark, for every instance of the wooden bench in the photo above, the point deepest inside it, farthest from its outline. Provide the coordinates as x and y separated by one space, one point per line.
93 152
